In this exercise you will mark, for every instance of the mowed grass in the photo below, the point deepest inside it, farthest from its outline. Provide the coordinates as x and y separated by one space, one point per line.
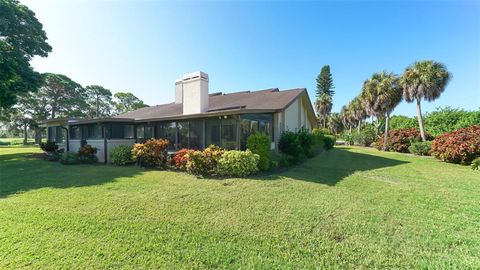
349 208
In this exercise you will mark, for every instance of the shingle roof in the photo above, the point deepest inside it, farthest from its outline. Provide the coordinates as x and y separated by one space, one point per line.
262 100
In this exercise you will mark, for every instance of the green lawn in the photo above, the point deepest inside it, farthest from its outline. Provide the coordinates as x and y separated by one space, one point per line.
347 208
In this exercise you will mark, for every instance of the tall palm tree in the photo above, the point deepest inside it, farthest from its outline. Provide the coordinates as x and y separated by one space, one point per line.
424 80
381 94
323 105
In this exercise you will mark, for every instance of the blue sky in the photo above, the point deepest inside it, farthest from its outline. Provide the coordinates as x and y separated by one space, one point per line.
143 47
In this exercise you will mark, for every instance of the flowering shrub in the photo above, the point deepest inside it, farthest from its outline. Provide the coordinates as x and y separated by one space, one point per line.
238 163
260 144
151 154
86 154
121 155
181 158
203 163
461 146
399 140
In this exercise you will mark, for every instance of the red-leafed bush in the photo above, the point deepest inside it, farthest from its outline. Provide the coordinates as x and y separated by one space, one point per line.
181 158
460 146
399 140
152 153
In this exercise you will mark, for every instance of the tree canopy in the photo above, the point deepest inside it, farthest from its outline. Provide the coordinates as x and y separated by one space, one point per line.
99 101
126 102
325 82
21 38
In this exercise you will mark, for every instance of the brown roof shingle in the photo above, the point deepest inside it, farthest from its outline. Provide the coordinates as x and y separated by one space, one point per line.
262 100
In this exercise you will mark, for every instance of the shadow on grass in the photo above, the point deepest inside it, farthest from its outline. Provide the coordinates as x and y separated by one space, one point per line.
21 172
331 167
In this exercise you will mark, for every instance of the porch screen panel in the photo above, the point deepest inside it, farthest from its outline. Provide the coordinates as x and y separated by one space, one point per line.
212 132
196 134
229 133
182 134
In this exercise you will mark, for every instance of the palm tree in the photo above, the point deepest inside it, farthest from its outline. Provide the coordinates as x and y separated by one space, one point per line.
359 111
381 94
323 105
424 80
334 123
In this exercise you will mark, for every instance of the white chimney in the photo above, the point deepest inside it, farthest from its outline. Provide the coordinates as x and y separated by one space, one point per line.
178 92
195 92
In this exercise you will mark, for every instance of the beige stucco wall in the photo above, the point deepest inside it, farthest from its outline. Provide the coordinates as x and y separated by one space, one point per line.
99 144
295 117
291 116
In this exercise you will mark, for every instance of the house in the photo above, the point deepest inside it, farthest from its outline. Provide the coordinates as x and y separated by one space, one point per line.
195 120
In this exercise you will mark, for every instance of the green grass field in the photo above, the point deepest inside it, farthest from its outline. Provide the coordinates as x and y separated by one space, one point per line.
349 208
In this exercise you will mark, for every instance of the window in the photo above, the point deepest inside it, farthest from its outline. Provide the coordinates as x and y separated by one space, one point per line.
253 123
212 131
75 133
94 131
196 134
140 132
182 134
229 133
168 131
122 131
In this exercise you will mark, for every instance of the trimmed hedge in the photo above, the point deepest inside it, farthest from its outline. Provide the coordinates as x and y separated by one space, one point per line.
260 144
238 163
460 146
121 155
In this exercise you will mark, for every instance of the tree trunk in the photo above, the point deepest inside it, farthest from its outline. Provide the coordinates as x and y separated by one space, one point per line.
385 136
359 125
420 120
25 135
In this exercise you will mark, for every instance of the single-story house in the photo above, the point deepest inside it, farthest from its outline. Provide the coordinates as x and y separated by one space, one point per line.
195 120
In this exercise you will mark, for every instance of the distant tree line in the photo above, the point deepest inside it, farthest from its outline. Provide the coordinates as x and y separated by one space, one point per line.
27 97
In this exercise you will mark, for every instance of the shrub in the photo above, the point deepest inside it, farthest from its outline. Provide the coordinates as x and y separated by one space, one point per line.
420 148
329 141
204 163
476 164
260 144
69 158
322 131
289 144
348 138
238 163
461 146
180 158
86 154
366 136
121 155
318 145
402 122
49 146
306 140
52 156
151 154
399 140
